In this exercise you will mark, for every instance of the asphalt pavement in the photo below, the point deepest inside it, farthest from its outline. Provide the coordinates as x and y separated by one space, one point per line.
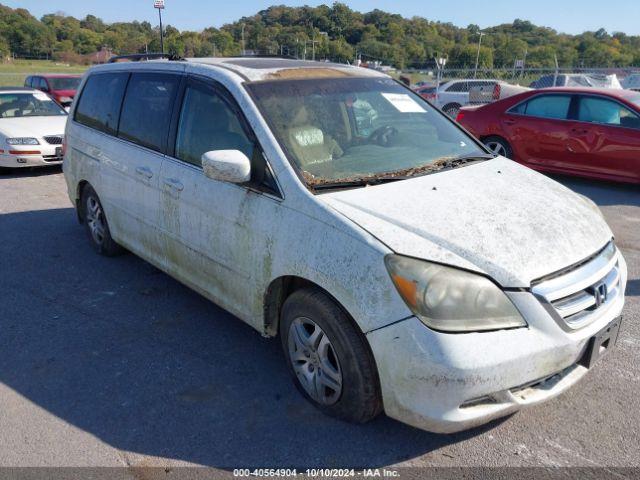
110 362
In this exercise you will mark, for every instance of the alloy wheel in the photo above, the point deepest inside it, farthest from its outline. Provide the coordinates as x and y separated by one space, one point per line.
497 148
314 361
95 220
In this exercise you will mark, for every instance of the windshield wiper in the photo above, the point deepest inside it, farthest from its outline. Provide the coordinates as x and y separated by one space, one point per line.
463 160
357 183
438 166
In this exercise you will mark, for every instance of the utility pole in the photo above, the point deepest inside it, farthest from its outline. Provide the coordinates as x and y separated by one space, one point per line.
475 72
159 4
243 49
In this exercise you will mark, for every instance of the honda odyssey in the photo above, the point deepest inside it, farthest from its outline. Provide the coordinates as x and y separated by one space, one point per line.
403 267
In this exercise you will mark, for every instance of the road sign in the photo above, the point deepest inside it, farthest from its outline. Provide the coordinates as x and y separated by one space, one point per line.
158 4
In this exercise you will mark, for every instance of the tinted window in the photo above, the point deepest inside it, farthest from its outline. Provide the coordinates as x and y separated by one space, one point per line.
208 123
27 82
99 105
547 106
42 84
146 111
458 87
601 110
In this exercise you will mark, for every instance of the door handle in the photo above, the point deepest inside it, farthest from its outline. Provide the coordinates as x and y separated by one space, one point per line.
580 131
173 184
144 172
509 121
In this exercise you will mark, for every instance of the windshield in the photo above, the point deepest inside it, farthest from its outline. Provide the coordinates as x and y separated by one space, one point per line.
38 104
346 129
64 83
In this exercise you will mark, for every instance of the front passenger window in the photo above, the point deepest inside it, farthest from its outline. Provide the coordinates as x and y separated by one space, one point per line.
607 112
208 123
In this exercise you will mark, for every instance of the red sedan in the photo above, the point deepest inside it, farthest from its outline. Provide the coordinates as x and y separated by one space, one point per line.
578 131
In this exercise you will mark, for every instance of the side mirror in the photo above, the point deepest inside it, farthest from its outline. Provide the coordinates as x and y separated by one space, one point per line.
231 166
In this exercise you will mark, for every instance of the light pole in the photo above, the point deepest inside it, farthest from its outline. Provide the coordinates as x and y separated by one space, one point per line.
159 4
475 72
243 49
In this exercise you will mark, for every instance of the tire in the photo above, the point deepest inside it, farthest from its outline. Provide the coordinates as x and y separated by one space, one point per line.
451 109
96 225
340 350
499 146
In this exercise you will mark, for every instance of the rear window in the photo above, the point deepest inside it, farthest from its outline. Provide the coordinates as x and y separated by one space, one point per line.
147 107
99 105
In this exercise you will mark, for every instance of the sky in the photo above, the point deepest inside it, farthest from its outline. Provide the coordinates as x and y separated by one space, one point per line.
568 16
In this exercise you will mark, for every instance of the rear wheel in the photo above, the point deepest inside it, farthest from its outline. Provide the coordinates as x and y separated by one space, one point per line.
499 146
96 225
329 358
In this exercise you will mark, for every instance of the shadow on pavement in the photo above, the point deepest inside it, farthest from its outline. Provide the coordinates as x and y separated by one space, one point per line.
633 288
122 351
601 192
29 172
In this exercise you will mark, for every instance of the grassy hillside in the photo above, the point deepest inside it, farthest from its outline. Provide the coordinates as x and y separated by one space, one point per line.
13 73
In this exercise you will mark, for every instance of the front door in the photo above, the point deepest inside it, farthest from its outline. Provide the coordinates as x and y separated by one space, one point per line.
218 236
610 133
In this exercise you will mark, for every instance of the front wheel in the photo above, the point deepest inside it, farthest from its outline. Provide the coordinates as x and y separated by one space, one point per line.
499 146
329 357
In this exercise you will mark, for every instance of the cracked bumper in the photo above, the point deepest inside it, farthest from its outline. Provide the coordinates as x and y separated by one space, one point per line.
446 383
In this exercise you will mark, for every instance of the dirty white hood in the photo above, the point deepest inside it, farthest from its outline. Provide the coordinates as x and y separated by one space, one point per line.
494 217
33 126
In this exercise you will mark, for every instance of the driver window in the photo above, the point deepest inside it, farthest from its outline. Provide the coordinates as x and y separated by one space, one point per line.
208 123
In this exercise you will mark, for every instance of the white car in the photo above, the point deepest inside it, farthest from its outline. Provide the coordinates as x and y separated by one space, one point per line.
403 268
632 82
31 128
454 94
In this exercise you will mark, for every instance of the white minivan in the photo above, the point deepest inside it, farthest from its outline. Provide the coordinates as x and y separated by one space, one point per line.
404 269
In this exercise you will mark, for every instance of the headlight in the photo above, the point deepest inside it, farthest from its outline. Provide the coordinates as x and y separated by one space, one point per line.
23 141
451 300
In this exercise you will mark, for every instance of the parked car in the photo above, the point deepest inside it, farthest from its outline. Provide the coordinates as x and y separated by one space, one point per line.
586 132
427 92
61 87
632 82
577 80
31 128
454 94
403 267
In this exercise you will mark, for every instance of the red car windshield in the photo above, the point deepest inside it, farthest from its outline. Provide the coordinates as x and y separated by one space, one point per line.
64 83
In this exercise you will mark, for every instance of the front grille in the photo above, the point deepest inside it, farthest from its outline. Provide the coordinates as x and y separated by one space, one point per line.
54 139
579 293
52 158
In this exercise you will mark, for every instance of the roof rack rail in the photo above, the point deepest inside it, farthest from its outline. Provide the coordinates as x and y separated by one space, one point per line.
143 57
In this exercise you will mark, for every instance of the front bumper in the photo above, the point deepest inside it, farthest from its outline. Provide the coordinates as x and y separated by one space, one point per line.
48 155
451 382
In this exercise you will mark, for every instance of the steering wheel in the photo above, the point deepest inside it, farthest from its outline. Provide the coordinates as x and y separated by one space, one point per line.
383 135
